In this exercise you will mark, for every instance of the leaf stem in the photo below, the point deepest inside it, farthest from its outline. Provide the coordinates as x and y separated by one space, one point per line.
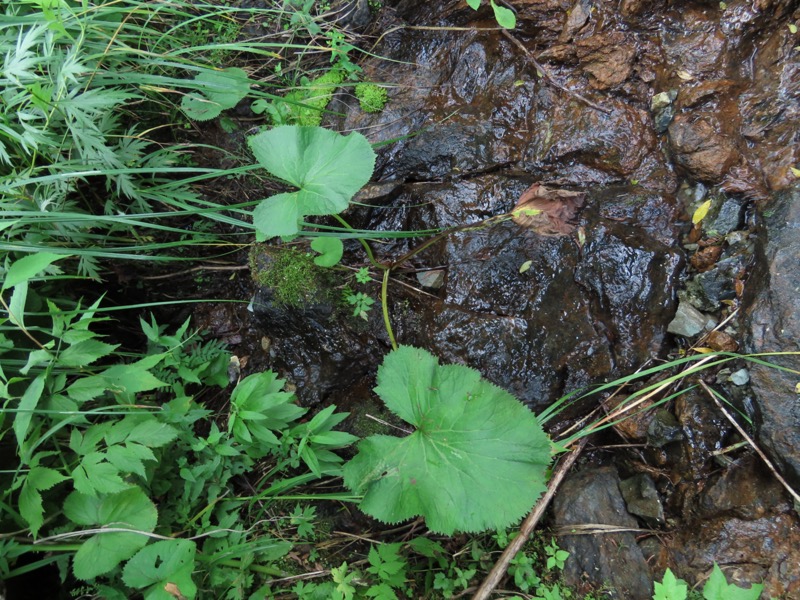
384 295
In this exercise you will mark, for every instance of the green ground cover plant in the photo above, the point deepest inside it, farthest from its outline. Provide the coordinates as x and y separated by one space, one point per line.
476 460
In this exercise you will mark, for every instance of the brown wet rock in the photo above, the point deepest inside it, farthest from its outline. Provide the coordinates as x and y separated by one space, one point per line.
578 314
720 341
764 550
576 144
705 430
695 94
770 107
607 58
745 489
548 211
577 18
633 428
700 147
590 498
695 45
546 15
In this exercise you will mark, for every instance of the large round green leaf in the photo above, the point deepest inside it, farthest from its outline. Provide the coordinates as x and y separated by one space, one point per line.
476 461
327 168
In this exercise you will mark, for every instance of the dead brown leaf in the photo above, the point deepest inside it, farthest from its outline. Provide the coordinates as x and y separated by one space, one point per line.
705 258
547 211
174 591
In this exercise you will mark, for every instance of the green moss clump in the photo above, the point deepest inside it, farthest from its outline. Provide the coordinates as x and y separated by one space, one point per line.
290 273
372 97
314 97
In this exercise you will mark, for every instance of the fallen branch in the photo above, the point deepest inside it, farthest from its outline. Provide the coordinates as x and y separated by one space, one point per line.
501 566
544 74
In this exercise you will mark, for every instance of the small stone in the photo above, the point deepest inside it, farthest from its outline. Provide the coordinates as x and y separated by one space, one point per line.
662 100
734 238
721 342
688 321
725 217
662 118
641 498
740 377
432 280
663 429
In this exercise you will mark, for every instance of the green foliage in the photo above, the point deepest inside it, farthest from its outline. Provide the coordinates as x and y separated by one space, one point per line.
326 167
258 408
476 461
113 450
304 106
504 17
331 250
161 565
371 97
716 588
555 558
361 303
215 91
671 588
363 276
291 273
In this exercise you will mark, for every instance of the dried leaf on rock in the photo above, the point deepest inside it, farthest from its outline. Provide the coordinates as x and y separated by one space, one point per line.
705 258
547 211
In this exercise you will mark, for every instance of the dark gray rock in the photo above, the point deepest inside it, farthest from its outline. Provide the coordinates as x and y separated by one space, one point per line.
642 500
592 497
726 215
705 291
774 326
689 321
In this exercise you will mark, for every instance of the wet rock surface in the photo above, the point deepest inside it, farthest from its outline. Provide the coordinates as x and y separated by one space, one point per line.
679 103
774 326
588 503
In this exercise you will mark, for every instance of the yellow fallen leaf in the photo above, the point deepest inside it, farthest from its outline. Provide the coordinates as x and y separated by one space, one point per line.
685 75
797 389
792 28
702 350
525 266
701 212
796 172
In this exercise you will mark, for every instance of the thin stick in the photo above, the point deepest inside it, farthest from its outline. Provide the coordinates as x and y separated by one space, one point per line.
550 79
758 450
501 566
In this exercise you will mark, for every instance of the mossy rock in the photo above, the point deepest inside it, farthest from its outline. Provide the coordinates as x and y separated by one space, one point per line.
292 276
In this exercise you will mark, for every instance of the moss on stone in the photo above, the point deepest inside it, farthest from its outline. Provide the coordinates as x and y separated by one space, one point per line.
372 97
291 274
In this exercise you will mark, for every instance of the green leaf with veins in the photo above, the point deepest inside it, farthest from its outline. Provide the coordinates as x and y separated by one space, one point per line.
220 90
161 564
717 588
327 168
504 17
129 509
671 588
476 461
